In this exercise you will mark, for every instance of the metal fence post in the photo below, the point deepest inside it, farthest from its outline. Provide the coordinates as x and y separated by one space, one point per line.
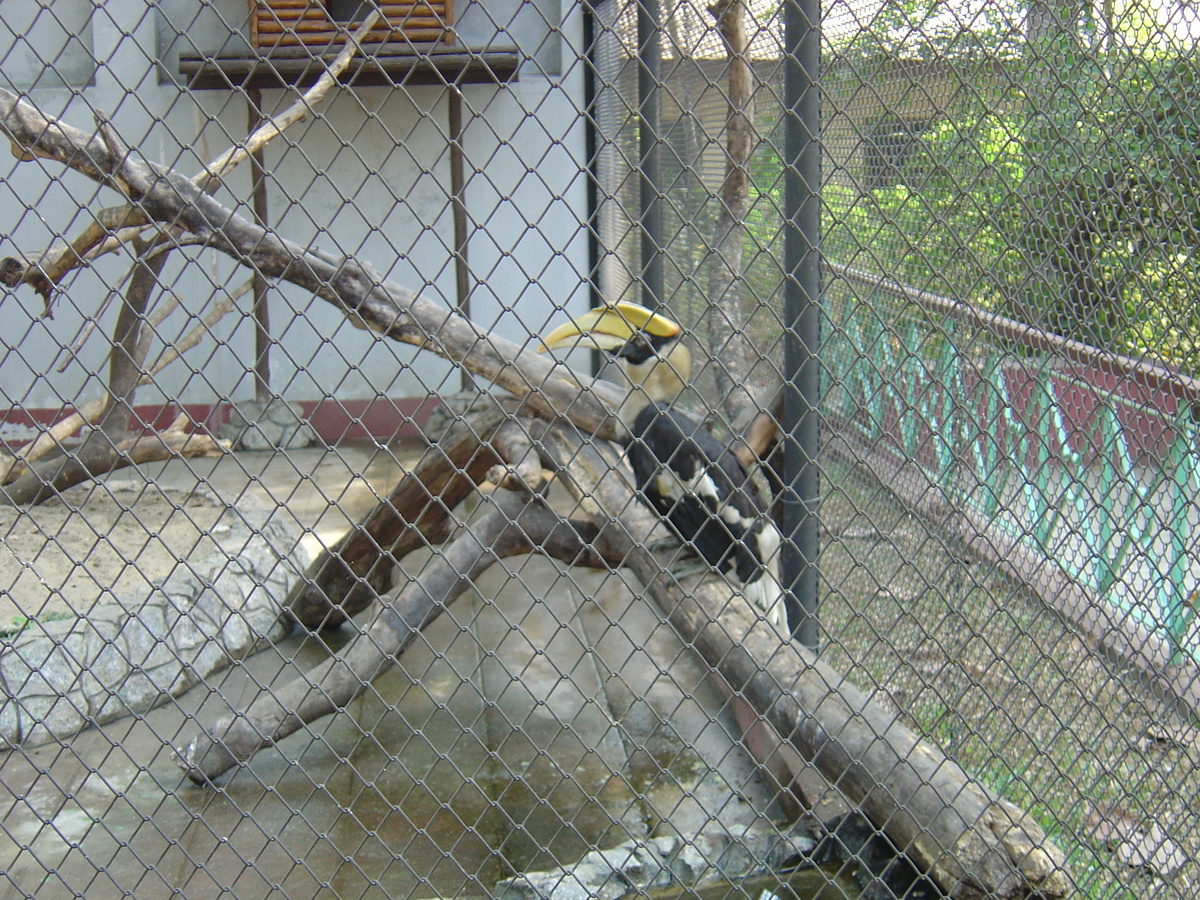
802 266
649 31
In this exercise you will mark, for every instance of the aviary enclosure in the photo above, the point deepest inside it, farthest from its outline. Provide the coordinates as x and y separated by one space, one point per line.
326 580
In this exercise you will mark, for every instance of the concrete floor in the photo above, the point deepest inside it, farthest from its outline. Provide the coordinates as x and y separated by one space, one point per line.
545 714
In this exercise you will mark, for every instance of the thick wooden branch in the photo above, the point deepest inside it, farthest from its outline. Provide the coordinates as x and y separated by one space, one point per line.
117 226
969 841
489 444
172 199
349 576
48 477
521 469
515 525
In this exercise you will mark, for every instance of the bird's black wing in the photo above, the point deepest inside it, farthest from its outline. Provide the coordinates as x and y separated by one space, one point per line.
699 487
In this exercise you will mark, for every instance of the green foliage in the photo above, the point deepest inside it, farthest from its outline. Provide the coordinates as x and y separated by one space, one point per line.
930 29
1115 206
21 623
1083 219
948 226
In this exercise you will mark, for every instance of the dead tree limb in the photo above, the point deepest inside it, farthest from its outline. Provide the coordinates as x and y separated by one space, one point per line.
804 713
349 576
353 287
729 345
971 843
215 172
101 450
109 230
514 526
175 441
346 578
12 466
114 227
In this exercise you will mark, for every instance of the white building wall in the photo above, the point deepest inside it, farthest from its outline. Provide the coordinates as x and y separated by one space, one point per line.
366 175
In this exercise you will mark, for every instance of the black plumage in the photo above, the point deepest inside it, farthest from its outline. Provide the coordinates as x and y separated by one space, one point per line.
700 488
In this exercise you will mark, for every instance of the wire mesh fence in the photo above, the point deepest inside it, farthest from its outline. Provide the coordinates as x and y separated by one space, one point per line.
319 576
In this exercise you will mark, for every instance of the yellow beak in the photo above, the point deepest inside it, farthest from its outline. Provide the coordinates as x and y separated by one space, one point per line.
609 327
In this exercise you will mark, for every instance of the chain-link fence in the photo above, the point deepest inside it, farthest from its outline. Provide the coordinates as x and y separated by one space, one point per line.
318 579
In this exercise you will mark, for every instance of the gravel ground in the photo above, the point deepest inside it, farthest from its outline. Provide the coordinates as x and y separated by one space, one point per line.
105 540
1010 691
96 543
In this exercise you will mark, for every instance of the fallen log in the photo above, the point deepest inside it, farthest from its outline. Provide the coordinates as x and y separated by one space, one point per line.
515 525
357 569
491 444
970 842
50 476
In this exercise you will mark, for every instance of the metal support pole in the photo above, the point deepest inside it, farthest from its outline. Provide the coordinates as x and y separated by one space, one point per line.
262 318
649 48
458 202
591 32
801 357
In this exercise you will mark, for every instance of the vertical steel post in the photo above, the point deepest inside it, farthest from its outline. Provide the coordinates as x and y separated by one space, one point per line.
801 357
458 208
649 49
262 316
591 33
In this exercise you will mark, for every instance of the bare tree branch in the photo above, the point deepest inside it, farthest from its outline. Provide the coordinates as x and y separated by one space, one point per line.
119 239
47 478
386 307
116 226
215 172
729 345
514 526
87 414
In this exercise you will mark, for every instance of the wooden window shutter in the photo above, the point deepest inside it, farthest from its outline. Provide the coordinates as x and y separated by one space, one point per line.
318 23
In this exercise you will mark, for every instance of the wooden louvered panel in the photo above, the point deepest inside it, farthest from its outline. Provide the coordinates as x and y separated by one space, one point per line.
305 9
326 38
309 25
292 23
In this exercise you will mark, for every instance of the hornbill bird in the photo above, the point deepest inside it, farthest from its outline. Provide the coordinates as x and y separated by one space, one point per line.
692 480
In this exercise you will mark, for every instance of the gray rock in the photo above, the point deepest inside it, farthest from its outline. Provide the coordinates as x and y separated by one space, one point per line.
640 866
254 425
62 676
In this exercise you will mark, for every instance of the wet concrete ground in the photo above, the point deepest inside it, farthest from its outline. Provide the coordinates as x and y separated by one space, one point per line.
542 716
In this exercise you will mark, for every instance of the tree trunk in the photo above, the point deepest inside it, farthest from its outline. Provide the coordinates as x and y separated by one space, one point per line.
728 343
1067 198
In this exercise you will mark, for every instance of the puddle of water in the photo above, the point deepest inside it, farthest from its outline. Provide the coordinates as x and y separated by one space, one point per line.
451 773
